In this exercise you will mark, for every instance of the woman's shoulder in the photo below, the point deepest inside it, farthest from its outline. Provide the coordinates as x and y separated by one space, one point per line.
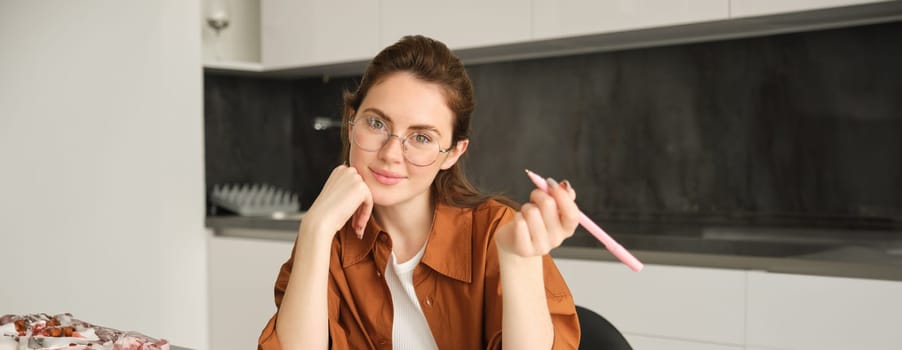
477 217
492 210
492 204
488 210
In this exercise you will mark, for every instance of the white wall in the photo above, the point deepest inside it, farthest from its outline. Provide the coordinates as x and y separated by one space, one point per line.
101 164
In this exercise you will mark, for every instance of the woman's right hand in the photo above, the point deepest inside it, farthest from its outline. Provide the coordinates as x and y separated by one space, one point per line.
344 196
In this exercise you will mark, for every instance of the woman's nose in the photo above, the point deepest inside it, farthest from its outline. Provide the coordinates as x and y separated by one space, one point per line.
391 150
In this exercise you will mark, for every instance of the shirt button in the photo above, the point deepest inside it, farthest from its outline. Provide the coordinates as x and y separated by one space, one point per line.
383 238
383 342
378 274
428 301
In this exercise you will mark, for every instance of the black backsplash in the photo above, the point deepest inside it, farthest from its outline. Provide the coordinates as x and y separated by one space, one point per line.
261 131
799 129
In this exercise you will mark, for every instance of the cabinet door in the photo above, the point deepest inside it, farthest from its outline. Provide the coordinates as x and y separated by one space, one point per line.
562 18
812 312
242 273
299 33
746 8
458 24
684 304
240 41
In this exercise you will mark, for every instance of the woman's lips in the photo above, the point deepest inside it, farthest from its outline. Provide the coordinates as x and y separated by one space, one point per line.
386 177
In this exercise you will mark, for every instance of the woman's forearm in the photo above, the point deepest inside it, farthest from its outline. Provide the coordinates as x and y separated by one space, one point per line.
526 321
303 319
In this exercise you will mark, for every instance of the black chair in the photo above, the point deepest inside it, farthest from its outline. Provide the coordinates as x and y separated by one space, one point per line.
598 333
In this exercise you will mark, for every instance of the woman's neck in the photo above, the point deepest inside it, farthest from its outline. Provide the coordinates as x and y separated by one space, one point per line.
408 224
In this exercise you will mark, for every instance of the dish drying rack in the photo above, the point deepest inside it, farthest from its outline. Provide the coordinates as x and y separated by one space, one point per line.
255 199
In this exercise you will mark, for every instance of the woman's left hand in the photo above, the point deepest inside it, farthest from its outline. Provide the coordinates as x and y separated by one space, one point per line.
542 224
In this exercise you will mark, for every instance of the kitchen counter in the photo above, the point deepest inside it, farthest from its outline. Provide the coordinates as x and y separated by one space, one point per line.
825 252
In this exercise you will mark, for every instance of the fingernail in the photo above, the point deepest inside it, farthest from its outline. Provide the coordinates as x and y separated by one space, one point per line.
551 182
565 183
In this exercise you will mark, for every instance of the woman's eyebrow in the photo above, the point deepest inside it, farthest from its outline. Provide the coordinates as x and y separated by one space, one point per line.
379 112
388 119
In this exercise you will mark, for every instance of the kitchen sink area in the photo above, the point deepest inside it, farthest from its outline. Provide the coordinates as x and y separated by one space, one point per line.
762 242
829 252
703 245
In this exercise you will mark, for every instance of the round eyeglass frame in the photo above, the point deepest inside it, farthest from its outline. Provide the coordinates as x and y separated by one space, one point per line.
388 137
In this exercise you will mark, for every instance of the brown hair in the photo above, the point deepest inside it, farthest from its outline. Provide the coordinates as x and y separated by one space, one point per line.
430 61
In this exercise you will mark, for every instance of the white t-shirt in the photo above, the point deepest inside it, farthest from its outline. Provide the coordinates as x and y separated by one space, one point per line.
410 331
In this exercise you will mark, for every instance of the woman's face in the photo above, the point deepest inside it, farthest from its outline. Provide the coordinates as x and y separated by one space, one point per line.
403 105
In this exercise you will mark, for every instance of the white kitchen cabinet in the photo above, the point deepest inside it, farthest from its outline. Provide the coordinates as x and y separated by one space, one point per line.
315 37
748 8
299 33
663 305
238 45
565 18
797 312
459 24
242 273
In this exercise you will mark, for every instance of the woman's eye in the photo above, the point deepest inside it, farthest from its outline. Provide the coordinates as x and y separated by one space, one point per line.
422 138
376 123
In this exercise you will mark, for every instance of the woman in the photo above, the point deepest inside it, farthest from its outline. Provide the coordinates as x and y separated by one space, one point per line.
400 251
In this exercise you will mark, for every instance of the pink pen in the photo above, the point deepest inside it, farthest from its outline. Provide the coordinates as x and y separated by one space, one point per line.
609 243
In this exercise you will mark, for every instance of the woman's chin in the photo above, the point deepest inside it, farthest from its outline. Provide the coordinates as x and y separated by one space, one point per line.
384 199
389 197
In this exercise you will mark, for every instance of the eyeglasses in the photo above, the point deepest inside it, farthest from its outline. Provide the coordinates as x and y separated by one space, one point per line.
422 150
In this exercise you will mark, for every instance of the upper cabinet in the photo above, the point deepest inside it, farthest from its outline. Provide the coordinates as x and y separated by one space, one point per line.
338 37
236 44
556 19
747 8
459 24
318 32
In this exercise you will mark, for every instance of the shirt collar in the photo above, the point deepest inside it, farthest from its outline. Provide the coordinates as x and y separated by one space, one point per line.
449 250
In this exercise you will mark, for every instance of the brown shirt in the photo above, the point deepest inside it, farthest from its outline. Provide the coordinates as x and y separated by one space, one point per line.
458 284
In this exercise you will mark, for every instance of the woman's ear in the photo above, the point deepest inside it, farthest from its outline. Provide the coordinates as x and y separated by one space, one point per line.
455 153
351 114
